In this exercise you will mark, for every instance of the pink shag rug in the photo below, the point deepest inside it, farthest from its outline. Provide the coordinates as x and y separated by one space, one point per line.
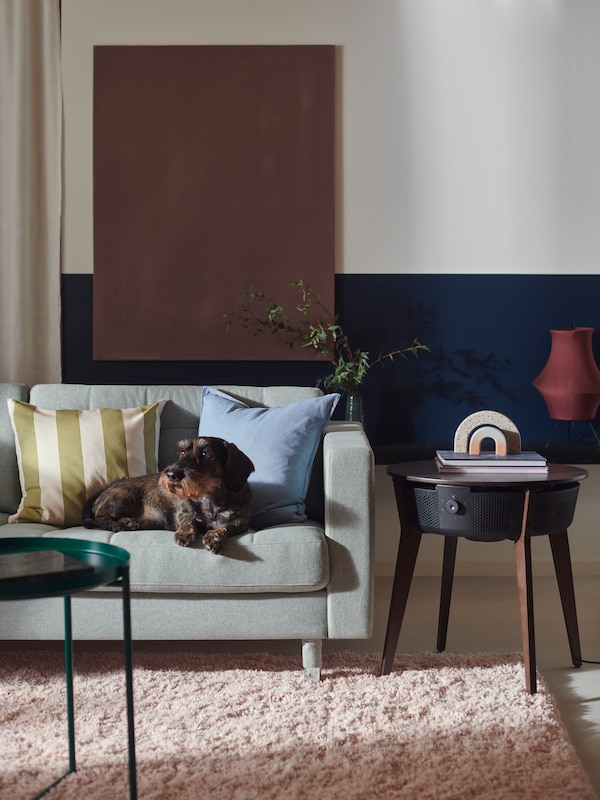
225 727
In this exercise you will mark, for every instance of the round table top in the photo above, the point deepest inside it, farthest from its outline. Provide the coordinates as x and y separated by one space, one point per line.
427 472
46 566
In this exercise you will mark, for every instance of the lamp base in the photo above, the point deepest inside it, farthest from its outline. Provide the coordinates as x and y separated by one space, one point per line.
570 424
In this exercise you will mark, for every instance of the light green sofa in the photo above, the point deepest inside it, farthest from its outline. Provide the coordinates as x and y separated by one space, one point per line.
309 581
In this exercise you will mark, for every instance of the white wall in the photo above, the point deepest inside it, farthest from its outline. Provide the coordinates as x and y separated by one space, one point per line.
468 134
468 142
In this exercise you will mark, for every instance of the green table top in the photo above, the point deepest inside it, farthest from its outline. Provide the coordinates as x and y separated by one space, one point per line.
46 566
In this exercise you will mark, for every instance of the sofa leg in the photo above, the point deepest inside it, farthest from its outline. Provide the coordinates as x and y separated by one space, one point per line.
312 659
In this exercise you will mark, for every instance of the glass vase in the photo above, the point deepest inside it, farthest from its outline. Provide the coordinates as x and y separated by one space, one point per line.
354 408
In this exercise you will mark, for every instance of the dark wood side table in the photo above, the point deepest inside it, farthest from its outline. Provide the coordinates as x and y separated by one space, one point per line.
49 567
485 507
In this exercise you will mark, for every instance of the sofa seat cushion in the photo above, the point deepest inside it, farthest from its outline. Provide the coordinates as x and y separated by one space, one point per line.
17 530
287 558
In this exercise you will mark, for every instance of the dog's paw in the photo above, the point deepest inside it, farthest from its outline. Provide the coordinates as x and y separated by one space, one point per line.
185 537
128 524
214 540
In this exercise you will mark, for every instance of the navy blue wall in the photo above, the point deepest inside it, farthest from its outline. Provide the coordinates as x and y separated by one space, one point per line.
488 337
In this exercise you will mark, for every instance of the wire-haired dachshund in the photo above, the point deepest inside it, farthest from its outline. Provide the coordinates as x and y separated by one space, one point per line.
204 493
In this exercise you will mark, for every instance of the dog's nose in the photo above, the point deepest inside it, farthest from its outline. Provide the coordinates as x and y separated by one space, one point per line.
173 474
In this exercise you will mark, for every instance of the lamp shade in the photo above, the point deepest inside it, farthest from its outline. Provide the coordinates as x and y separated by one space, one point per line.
570 381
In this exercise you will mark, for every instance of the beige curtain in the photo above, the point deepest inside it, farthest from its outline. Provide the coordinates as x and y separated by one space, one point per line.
30 190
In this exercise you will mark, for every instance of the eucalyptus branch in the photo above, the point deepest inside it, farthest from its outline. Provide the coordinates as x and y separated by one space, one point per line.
401 351
318 329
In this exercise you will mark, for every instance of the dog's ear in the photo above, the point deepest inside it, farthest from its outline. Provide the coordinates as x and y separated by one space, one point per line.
237 468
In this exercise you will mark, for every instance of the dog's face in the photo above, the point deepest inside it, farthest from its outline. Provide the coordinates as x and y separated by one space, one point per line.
204 465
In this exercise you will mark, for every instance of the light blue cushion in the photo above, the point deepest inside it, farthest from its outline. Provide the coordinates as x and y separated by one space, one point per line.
281 442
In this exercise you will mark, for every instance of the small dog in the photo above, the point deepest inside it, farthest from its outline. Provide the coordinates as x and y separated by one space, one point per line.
204 493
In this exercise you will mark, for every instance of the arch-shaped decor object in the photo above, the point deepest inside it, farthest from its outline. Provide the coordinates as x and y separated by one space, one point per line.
488 432
487 418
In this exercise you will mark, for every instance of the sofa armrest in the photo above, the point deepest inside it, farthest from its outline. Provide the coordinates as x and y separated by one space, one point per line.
349 475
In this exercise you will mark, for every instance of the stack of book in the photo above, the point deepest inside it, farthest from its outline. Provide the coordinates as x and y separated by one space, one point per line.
527 462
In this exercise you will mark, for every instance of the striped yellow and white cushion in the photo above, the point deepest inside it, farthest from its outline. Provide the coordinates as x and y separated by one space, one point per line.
66 456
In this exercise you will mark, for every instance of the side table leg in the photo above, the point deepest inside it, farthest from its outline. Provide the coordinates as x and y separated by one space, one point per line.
127 646
524 582
408 549
68 647
450 544
561 555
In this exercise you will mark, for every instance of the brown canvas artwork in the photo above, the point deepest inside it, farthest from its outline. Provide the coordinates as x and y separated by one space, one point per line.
213 173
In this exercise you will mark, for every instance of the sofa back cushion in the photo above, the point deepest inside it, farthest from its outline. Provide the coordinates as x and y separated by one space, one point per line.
10 488
179 419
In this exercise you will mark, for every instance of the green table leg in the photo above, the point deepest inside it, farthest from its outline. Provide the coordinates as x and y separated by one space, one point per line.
69 678
68 650
128 653
129 680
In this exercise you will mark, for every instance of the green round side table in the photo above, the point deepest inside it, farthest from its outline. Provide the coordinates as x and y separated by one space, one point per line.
49 567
